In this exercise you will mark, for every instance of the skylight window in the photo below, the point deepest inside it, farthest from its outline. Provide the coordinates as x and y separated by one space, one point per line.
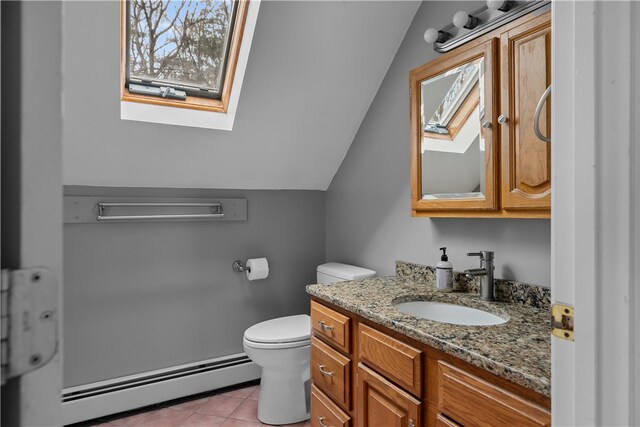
181 53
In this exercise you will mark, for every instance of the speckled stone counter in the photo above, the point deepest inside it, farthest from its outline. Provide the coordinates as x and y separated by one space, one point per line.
518 350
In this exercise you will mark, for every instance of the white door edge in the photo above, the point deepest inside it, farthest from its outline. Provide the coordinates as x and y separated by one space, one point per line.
593 226
34 143
569 247
635 191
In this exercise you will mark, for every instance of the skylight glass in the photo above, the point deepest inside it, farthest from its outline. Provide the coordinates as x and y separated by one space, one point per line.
179 43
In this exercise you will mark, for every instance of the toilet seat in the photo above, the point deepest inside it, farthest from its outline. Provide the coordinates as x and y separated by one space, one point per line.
275 346
283 332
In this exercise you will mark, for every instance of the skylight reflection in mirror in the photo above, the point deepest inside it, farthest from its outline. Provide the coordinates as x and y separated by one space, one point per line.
452 143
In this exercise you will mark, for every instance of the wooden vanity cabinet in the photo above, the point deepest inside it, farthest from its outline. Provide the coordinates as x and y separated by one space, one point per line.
398 381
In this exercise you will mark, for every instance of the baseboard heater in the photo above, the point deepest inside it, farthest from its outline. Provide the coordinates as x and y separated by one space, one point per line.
89 401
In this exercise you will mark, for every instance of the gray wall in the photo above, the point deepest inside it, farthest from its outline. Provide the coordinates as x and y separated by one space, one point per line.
368 201
143 296
313 70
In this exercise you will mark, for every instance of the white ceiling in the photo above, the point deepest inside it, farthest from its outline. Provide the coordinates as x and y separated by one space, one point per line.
313 70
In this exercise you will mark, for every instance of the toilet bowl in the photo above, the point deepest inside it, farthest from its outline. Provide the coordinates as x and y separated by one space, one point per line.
281 347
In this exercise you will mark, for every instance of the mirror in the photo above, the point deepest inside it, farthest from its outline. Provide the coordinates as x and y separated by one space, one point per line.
454 161
452 145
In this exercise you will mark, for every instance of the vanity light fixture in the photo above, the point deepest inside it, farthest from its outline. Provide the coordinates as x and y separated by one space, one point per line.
463 20
468 26
501 5
432 36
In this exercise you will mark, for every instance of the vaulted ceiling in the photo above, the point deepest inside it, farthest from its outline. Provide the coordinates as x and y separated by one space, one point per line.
313 70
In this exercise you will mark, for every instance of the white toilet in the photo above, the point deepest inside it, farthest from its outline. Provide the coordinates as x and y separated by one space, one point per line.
281 347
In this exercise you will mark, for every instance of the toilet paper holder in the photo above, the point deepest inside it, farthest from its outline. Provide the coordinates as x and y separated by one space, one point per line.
240 267
254 268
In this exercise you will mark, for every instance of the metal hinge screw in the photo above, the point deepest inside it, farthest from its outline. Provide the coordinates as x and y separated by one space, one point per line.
35 359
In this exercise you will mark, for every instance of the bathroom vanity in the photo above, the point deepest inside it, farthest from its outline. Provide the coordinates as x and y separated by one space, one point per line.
373 365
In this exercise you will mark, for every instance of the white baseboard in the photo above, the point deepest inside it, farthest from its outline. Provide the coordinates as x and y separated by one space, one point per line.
109 397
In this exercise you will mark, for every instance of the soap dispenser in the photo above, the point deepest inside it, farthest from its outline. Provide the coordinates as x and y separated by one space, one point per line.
444 273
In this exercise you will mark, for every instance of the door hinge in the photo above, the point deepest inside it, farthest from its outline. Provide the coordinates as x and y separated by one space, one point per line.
28 321
562 321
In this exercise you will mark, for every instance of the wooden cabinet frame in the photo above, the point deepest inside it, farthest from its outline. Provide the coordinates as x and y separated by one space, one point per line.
506 195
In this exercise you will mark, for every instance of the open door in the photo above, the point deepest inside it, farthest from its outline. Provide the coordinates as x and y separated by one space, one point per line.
31 166
595 211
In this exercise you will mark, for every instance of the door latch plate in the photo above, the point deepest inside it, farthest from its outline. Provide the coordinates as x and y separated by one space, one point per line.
562 321
29 320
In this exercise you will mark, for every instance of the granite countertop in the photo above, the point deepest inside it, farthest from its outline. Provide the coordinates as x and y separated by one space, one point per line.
518 350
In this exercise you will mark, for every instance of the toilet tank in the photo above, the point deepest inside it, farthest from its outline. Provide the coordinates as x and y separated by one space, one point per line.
336 272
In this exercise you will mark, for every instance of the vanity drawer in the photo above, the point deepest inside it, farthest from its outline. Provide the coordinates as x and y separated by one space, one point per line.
325 412
396 360
333 326
331 372
472 401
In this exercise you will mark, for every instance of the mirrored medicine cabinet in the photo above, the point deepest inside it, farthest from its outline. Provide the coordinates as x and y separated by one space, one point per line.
474 152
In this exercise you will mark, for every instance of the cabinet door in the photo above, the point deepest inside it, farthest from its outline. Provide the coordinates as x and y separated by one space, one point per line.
525 55
382 404
454 152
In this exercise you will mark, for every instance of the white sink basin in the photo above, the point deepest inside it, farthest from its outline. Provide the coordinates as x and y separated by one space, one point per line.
449 313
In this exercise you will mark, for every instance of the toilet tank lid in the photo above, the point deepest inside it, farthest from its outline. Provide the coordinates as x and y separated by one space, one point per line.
280 330
345 271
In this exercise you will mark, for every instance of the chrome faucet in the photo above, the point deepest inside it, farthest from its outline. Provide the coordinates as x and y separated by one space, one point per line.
485 273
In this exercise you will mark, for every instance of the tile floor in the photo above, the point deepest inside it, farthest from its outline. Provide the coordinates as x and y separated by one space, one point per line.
228 408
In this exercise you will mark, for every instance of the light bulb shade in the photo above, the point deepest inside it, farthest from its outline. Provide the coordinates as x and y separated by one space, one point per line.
432 36
501 5
463 20
460 19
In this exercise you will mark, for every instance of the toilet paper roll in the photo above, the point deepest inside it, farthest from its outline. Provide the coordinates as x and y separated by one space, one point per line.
259 268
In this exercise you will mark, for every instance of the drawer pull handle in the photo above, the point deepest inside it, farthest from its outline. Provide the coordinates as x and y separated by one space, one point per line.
324 326
320 419
411 423
325 372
